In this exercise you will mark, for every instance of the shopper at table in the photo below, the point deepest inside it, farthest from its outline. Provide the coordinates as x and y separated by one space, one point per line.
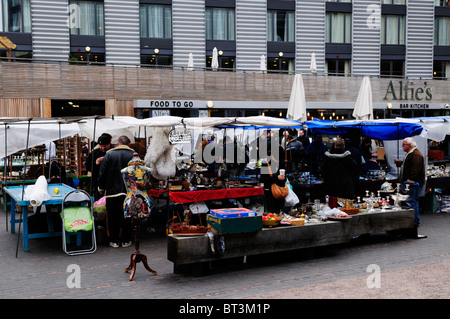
338 170
315 155
412 173
94 160
270 173
110 183
302 137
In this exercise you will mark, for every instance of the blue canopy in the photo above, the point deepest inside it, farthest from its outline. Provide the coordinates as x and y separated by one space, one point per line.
376 129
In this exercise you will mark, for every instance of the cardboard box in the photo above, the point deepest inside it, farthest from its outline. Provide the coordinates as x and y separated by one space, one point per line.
234 225
232 212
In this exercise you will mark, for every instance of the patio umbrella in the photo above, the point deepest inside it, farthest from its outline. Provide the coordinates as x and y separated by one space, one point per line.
313 66
190 65
262 65
297 102
215 60
364 105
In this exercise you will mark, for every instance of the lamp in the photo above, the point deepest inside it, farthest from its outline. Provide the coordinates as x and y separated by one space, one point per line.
88 50
210 104
156 51
389 106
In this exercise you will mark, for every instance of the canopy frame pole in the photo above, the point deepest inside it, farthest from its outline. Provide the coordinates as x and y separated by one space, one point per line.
5 171
23 186
92 158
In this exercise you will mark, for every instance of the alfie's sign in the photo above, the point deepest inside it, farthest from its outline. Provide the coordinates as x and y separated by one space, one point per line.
408 91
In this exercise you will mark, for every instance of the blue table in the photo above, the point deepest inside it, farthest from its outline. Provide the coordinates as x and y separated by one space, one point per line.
15 192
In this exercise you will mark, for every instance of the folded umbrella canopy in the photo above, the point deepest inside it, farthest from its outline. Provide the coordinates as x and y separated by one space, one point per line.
364 105
297 102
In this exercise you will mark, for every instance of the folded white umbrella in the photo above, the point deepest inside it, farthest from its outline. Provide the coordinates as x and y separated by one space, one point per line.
364 106
297 102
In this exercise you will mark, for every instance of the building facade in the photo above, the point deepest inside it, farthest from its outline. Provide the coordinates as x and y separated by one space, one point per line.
403 45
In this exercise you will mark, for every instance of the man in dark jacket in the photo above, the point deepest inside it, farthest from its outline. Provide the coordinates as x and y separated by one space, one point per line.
413 173
94 160
110 182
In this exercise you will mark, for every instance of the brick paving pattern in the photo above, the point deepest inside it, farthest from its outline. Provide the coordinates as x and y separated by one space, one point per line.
327 272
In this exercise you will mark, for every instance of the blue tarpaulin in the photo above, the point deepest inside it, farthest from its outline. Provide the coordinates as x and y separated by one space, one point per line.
376 129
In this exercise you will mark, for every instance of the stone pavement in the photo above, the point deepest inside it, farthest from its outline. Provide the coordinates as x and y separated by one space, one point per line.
44 272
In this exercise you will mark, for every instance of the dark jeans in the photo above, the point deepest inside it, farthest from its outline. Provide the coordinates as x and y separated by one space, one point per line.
413 201
116 220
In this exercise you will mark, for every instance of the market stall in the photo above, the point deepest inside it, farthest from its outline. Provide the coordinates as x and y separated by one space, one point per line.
194 254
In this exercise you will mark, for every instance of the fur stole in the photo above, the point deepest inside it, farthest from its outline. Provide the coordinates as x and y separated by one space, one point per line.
160 156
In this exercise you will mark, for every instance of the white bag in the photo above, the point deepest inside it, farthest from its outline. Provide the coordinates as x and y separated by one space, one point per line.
291 199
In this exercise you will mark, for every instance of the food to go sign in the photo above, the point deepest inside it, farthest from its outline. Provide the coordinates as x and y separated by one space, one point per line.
171 103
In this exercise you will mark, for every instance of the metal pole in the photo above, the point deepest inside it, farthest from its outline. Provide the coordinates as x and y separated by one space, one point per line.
23 186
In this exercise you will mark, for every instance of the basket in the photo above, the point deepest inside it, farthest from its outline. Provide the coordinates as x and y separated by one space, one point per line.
350 211
297 222
271 222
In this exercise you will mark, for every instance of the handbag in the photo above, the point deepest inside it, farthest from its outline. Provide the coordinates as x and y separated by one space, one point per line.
278 192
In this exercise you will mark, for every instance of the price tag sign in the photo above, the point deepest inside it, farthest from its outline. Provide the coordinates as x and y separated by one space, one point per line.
179 136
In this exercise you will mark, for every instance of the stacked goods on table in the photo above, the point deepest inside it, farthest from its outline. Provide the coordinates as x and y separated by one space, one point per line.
234 220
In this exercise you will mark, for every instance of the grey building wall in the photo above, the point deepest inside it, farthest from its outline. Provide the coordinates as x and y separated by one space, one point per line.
366 46
189 32
310 34
122 34
251 34
50 29
420 32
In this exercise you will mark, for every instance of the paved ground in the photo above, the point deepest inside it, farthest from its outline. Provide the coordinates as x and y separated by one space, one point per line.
409 269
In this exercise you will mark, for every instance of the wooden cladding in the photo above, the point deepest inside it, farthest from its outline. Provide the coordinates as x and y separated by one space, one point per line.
26 89
20 108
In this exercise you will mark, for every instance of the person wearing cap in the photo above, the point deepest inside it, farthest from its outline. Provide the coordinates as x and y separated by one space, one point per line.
111 183
94 160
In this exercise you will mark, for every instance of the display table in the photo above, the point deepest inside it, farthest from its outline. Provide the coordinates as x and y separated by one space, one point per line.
15 192
204 195
193 253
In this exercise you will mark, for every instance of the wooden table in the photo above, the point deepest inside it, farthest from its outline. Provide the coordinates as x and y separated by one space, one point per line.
194 253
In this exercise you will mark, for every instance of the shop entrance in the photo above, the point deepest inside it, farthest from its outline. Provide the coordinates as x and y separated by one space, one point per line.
66 108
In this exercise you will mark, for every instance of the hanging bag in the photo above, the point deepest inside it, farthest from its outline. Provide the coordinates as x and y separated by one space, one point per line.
278 192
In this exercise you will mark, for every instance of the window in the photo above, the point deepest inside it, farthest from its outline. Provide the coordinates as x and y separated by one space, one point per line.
392 68
280 64
156 21
442 31
15 16
338 27
393 29
280 26
339 0
441 69
337 67
226 63
156 59
393 2
441 3
86 18
220 24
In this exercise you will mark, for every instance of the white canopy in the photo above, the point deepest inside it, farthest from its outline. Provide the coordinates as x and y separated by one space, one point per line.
14 131
41 132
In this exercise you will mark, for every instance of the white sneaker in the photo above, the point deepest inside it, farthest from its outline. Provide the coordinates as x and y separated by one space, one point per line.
114 245
127 244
